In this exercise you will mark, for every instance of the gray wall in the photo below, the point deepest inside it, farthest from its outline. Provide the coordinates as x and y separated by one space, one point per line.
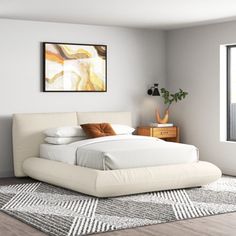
193 63
136 59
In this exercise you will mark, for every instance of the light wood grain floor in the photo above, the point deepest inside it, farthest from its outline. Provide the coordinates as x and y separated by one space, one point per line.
219 225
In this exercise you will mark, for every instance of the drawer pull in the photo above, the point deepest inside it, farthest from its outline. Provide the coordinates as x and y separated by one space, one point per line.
164 132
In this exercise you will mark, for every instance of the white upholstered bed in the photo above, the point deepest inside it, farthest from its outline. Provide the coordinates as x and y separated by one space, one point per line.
28 136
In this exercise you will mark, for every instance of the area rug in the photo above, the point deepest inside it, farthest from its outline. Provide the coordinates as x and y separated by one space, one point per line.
60 212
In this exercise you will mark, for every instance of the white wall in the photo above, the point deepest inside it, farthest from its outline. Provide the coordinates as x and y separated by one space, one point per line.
193 63
136 59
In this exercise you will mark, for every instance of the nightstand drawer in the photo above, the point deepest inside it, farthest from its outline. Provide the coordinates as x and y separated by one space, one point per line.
167 133
164 132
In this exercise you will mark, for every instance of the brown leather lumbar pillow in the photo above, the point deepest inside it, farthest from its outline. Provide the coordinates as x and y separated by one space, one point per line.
98 130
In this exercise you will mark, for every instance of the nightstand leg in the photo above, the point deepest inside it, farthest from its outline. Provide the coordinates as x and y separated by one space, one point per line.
177 135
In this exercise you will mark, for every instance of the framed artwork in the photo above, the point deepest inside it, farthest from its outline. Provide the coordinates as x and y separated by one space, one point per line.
71 67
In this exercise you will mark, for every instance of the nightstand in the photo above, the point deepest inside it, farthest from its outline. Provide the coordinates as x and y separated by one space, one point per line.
167 133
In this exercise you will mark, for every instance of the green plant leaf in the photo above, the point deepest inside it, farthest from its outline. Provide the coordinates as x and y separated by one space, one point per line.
169 98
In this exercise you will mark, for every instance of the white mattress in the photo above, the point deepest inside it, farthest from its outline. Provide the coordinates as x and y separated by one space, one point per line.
120 152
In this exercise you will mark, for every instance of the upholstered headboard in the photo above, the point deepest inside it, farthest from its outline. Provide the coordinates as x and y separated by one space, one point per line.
27 130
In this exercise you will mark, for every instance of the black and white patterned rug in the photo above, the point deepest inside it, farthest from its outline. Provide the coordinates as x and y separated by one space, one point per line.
60 212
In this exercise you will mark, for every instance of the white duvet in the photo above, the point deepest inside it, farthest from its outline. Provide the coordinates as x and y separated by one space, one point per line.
120 152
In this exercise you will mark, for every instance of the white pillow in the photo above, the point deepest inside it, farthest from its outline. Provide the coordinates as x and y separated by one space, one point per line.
65 140
122 129
65 131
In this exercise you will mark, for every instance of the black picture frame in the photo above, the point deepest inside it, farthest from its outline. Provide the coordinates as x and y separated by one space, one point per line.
44 87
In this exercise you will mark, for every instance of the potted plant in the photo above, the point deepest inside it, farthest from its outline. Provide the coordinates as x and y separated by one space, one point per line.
169 98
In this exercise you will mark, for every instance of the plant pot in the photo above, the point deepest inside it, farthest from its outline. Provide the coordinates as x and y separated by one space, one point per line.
163 120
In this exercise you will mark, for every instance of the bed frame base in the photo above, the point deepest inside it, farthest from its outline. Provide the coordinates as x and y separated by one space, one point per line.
113 183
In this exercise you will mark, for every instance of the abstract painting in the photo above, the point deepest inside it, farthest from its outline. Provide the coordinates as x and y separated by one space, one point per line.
74 67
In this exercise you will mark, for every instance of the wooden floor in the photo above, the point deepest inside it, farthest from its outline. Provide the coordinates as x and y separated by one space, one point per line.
218 225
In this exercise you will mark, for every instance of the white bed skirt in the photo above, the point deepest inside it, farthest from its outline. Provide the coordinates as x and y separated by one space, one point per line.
113 183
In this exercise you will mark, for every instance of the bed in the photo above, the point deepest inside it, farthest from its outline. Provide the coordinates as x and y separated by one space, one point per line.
100 182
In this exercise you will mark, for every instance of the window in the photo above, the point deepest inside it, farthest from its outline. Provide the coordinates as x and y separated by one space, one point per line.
231 93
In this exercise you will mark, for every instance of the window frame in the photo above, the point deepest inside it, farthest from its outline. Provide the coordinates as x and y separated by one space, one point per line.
228 92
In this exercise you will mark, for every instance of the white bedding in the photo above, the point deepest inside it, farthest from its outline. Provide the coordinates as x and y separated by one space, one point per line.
120 152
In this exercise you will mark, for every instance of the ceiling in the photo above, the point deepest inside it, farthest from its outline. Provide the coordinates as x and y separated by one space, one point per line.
155 14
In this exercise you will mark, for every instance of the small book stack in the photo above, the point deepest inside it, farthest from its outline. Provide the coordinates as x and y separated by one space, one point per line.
161 125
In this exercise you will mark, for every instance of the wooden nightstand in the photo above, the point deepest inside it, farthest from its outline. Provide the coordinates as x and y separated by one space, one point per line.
167 133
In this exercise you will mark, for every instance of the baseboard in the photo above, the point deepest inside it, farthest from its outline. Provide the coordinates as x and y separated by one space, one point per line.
6 174
227 171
